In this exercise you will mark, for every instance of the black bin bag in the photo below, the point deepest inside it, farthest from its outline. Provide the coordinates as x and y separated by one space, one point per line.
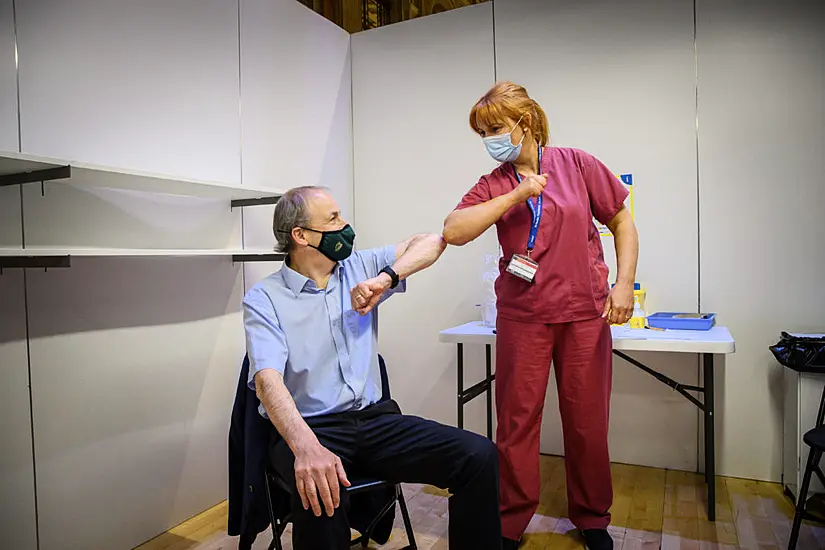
800 352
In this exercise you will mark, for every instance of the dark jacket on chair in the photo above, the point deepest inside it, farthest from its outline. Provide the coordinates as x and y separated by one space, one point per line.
249 439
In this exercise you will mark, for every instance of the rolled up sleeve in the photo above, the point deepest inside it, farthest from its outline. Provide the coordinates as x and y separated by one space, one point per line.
265 340
605 191
479 194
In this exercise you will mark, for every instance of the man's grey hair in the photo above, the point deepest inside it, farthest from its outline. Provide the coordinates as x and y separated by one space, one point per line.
291 211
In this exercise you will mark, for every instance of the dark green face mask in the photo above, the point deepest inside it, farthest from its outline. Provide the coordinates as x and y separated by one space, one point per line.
335 245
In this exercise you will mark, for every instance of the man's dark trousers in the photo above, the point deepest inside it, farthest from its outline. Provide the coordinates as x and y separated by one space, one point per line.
379 442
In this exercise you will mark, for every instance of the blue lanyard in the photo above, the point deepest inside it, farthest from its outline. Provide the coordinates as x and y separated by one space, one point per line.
535 211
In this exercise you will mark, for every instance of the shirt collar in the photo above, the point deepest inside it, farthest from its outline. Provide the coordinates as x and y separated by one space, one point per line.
297 282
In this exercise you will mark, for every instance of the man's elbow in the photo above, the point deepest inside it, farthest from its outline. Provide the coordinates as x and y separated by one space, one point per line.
438 242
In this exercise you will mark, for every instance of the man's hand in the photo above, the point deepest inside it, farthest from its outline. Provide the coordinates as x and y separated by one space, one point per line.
365 295
318 472
619 305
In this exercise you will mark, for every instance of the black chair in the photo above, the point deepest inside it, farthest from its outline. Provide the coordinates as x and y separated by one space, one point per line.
275 482
815 439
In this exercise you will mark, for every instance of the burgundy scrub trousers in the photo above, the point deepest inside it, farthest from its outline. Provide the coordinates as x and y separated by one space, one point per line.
556 319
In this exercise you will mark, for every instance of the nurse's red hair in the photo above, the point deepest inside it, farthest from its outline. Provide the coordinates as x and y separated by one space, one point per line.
507 100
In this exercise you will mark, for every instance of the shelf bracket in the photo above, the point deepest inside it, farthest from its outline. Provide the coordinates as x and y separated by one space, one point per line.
24 262
33 176
239 203
274 257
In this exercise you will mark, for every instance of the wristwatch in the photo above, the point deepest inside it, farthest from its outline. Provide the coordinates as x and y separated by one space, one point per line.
393 275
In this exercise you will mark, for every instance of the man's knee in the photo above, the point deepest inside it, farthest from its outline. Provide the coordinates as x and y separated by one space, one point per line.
481 455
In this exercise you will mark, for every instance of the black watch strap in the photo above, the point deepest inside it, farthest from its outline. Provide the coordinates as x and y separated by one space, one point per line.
393 275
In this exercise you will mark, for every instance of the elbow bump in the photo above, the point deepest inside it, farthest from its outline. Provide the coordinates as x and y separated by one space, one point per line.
451 236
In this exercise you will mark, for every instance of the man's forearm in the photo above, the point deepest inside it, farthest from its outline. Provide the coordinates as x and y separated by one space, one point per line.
421 252
279 405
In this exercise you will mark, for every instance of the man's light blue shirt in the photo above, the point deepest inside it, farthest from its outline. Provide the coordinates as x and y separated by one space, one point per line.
326 351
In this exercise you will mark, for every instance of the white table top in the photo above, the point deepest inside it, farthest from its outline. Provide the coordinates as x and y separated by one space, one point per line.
717 340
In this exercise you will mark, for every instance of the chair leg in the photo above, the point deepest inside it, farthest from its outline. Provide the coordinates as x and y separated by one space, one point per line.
276 536
813 460
364 540
405 515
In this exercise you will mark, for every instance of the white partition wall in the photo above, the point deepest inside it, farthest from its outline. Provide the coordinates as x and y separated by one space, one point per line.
8 79
134 369
143 85
296 109
17 511
135 361
617 79
415 156
761 142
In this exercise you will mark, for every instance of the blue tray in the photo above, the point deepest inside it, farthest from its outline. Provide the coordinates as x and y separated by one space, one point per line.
668 320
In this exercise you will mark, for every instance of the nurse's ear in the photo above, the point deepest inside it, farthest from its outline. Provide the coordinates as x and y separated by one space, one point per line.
527 123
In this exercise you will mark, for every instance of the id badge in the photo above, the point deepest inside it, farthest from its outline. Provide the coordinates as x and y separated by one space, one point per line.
523 267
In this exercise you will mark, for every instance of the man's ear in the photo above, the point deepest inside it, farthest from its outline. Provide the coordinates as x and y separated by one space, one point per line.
299 236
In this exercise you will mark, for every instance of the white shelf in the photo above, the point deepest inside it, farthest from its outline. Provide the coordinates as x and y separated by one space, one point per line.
115 178
38 252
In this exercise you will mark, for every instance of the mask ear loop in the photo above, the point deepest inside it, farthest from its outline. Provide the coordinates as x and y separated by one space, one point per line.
523 133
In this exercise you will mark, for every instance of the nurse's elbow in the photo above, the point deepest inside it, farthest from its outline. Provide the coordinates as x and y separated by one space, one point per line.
452 234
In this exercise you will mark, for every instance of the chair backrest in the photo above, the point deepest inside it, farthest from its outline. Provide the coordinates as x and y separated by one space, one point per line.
382 368
385 379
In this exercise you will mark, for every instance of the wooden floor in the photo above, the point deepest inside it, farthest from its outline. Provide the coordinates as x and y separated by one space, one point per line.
652 509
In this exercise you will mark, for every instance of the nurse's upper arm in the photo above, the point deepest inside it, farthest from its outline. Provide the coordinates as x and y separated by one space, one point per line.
604 189
622 217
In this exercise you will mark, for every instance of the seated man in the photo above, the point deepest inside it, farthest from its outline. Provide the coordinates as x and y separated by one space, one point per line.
311 336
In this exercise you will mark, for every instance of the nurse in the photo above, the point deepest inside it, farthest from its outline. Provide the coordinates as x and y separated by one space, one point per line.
554 303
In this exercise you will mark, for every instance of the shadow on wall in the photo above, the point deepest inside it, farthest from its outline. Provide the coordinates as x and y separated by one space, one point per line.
73 215
336 157
98 294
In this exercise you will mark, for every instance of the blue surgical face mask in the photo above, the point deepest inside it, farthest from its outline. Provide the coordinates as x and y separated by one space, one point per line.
501 146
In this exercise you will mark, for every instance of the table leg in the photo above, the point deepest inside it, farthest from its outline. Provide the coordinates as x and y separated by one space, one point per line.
460 393
710 435
489 392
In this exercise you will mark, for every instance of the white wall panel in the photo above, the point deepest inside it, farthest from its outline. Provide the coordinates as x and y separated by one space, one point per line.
761 142
296 109
17 516
17 513
71 215
8 79
415 156
617 80
143 85
134 368
10 234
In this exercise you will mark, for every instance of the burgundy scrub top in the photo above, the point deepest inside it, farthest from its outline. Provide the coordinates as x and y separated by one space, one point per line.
571 282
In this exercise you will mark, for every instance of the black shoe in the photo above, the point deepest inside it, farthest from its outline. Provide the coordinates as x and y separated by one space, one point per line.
597 539
509 544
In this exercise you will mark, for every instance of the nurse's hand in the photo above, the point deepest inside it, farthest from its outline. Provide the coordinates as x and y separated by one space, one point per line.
531 186
619 305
